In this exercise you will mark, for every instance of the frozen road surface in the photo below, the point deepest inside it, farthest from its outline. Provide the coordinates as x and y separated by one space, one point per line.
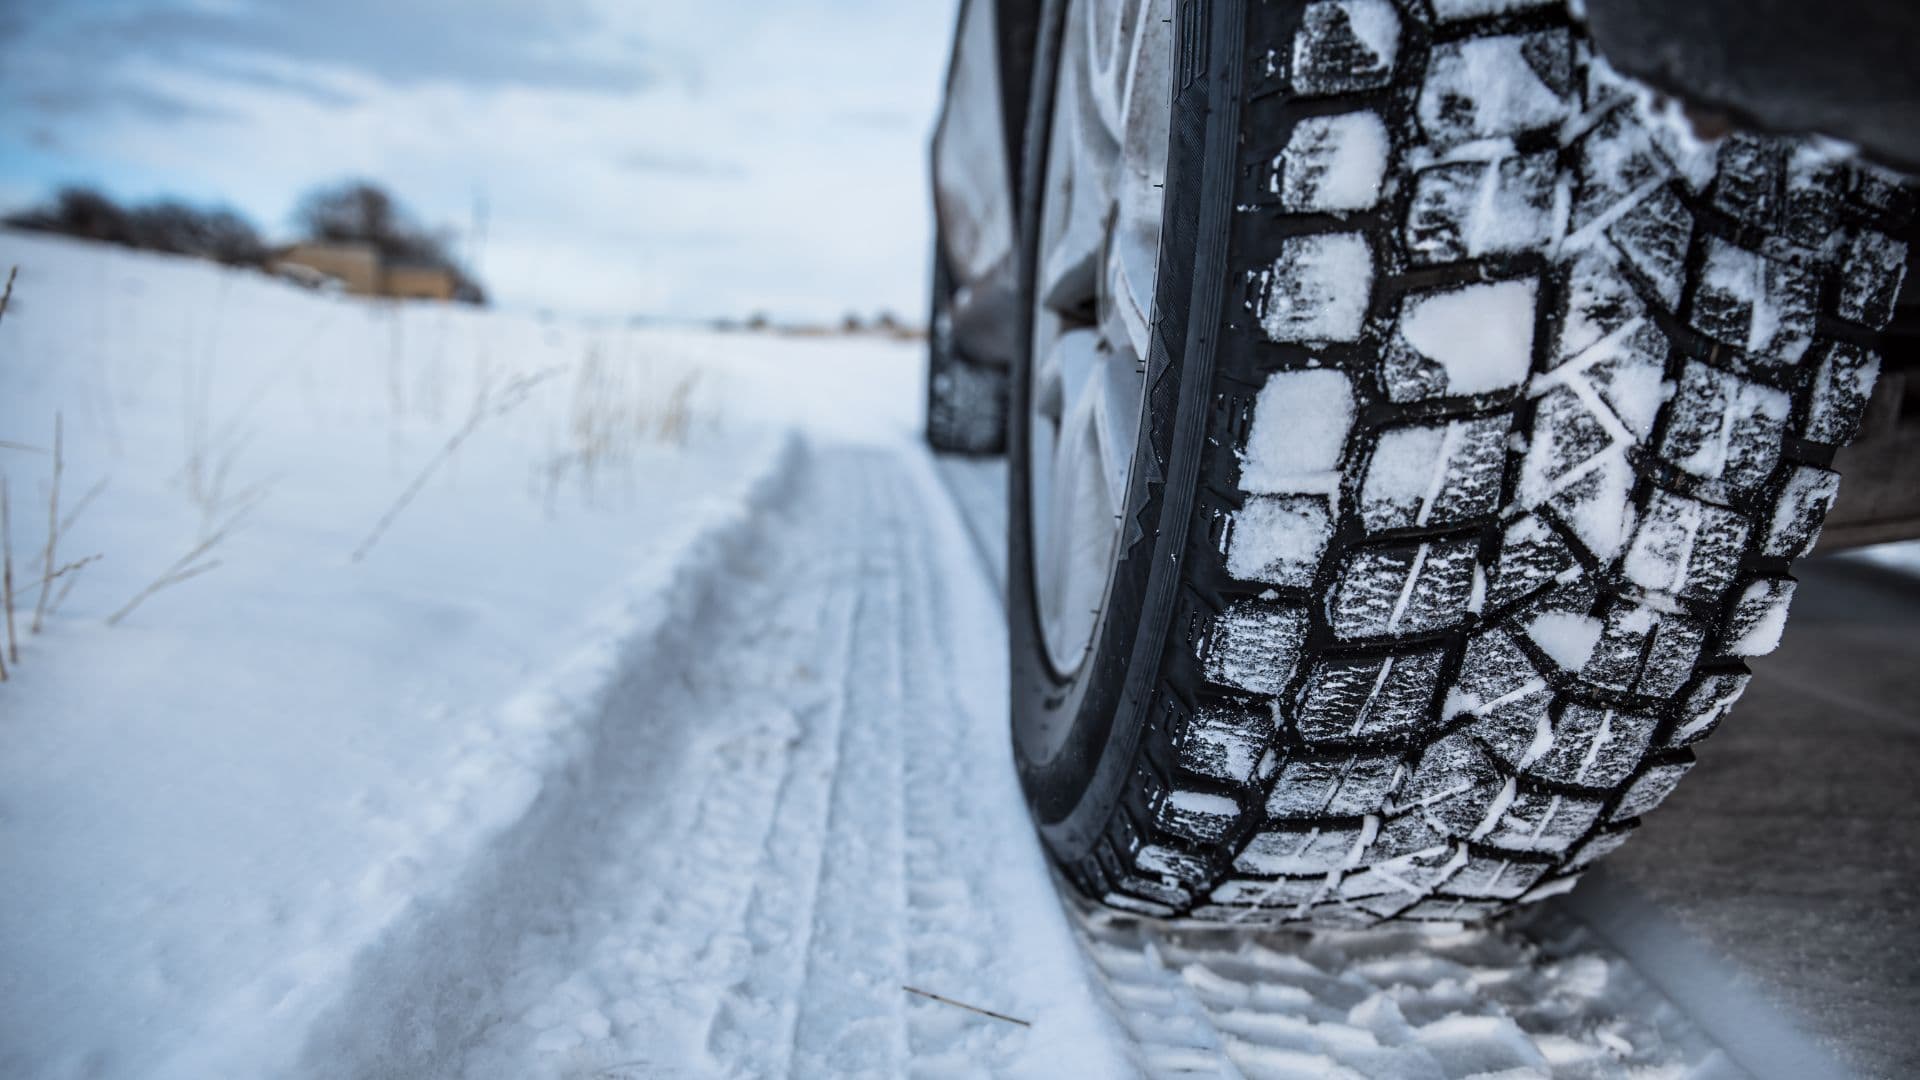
659 731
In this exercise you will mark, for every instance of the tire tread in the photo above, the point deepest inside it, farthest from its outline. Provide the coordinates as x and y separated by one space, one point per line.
1247 804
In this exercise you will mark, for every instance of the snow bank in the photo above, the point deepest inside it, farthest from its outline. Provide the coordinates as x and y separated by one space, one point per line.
210 811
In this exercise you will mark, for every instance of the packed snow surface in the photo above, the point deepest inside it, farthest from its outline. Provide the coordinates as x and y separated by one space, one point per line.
657 729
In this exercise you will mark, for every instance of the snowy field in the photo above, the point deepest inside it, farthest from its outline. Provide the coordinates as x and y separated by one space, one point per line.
453 693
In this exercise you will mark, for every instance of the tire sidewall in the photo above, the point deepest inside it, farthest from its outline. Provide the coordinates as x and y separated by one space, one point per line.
1108 702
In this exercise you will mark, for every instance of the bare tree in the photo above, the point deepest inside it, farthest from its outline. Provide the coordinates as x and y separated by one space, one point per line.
211 232
360 211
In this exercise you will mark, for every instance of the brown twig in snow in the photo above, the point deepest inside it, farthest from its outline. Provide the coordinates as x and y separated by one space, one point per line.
7 297
485 404
53 530
964 1005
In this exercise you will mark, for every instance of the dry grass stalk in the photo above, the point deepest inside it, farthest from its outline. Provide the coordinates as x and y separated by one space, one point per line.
678 415
485 404
942 999
53 530
82 503
6 567
70 575
64 574
195 562
212 449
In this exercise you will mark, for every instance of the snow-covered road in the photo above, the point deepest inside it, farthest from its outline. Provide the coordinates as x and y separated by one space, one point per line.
312 816
802 805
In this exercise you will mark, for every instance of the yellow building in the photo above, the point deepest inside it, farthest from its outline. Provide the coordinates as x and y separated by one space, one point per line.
356 266
360 270
415 282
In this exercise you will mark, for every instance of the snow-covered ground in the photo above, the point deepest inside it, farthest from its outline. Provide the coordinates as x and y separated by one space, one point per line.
212 809
658 732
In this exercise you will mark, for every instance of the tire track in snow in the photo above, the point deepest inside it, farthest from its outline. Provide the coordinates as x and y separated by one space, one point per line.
660 924
888 845
988 926
1170 1033
1535 997
781 915
851 1013
952 924
579 779
603 939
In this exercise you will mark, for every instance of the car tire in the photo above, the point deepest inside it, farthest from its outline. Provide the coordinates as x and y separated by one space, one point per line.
966 401
1485 410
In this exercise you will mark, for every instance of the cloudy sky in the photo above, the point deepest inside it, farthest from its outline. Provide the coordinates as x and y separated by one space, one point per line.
650 157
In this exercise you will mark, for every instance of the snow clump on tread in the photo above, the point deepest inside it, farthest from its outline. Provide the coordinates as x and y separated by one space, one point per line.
1332 163
1317 289
1532 398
